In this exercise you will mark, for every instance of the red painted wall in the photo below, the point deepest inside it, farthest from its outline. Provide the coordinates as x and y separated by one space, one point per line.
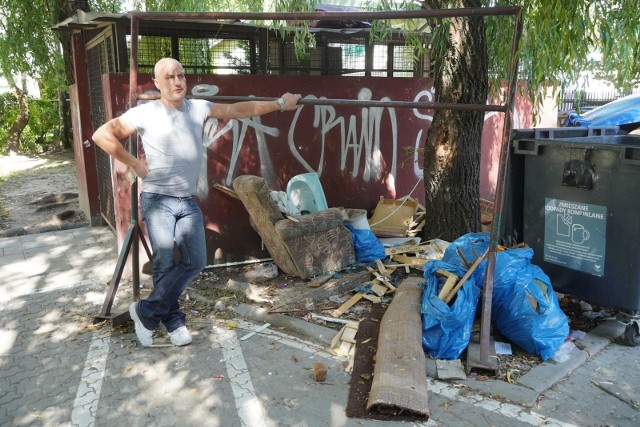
360 153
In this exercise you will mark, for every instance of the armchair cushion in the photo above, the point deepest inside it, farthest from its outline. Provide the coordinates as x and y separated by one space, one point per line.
307 224
305 246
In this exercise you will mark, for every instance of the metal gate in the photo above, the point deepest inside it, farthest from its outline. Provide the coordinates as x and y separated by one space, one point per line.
100 60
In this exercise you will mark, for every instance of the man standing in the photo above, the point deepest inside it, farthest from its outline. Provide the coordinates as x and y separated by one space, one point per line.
171 130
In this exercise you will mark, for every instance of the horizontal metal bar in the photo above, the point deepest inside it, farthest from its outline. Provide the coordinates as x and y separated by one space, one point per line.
352 103
318 15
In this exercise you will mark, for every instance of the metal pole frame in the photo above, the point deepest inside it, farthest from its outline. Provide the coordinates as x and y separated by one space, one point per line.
134 231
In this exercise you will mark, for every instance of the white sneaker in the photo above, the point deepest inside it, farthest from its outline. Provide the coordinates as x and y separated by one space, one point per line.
180 336
145 336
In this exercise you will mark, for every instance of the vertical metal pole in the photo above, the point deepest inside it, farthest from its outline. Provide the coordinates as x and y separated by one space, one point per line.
133 148
487 296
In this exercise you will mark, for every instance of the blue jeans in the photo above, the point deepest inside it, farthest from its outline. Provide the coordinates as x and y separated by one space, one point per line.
171 221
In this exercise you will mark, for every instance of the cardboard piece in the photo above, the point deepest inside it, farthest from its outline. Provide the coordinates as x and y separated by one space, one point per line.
392 218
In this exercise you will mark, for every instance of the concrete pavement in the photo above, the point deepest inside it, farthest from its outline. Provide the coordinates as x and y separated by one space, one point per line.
57 368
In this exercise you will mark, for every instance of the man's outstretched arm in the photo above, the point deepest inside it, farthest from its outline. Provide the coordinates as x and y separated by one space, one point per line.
246 109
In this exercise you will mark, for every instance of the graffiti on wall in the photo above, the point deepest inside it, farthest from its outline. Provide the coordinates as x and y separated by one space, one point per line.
360 137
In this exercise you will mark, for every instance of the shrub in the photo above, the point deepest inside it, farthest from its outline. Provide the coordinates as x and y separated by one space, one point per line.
42 129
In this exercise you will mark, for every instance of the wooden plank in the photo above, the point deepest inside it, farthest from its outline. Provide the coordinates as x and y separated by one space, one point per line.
336 338
377 275
378 289
411 261
448 285
382 279
344 307
463 258
466 276
435 245
349 335
318 281
445 273
407 248
373 298
345 348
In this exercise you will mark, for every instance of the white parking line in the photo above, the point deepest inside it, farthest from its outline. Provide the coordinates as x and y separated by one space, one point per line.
440 388
85 405
248 406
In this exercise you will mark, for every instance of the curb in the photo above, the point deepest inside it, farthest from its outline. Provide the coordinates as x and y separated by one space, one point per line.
298 327
37 229
544 376
529 386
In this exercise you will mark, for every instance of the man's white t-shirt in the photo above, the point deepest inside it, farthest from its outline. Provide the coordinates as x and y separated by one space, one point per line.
173 144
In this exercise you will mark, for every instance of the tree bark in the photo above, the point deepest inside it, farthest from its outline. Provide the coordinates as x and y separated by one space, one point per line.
15 131
453 144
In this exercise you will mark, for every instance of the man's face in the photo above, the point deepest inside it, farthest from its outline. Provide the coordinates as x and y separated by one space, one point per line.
170 81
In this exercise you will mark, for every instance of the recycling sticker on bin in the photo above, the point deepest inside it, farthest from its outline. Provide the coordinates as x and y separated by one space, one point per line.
575 235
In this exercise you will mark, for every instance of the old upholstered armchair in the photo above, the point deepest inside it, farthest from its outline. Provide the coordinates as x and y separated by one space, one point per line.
304 246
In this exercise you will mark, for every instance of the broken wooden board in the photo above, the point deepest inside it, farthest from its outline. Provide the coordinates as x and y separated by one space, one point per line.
349 334
414 262
406 249
466 276
381 278
344 343
448 286
318 281
373 298
378 289
344 307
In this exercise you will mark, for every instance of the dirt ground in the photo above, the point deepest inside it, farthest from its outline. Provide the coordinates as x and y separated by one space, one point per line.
37 192
40 192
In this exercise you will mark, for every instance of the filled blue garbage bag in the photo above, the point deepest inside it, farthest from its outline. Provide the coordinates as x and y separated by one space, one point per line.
524 307
471 245
366 245
446 329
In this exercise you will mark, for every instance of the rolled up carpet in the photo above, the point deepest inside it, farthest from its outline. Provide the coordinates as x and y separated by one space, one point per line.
400 378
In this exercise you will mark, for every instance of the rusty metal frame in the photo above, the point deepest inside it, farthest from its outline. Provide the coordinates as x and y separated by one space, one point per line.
134 230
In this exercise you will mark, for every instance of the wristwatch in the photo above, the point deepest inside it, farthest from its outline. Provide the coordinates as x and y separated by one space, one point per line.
280 102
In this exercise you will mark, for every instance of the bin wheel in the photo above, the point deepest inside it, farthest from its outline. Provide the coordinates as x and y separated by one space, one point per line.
632 335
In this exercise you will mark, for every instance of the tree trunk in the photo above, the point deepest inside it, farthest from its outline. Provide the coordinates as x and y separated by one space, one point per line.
453 145
65 130
15 131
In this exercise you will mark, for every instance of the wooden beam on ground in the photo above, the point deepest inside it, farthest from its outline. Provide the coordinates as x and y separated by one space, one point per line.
344 307
378 289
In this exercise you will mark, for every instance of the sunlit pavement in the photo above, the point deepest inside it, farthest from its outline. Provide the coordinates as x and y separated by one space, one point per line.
57 368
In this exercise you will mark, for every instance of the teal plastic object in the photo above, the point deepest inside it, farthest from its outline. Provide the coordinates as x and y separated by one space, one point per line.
305 191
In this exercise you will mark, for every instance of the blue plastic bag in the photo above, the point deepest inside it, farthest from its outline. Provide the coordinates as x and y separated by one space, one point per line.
524 307
471 245
366 245
446 330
